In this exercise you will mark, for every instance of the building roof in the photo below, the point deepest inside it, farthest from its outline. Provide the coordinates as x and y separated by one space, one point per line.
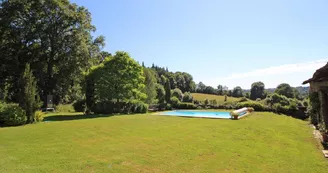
319 76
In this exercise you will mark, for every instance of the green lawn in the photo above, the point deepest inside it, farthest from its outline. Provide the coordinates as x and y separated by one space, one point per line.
219 99
262 142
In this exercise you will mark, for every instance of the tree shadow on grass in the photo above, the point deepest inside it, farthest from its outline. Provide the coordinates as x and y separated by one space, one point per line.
74 117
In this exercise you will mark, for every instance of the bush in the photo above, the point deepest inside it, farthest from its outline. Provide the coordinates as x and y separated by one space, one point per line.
127 107
168 107
305 103
258 99
206 102
187 97
174 101
256 105
12 115
183 105
283 100
177 93
38 116
65 108
79 106
244 99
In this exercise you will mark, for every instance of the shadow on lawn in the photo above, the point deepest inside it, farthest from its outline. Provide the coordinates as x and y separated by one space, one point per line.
74 117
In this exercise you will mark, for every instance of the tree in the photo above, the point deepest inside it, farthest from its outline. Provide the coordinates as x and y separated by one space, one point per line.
257 90
160 95
29 98
54 37
200 87
237 92
167 91
220 90
209 90
119 78
150 85
285 90
181 83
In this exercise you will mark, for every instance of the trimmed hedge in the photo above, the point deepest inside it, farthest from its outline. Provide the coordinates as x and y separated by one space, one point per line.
256 105
109 107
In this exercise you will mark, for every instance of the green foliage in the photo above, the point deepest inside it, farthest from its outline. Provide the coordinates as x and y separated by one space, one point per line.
174 101
54 37
206 102
150 85
64 108
79 106
38 116
168 107
119 78
110 107
187 97
283 100
225 98
12 114
29 100
160 94
167 92
257 90
183 105
220 90
177 93
285 90
256 105
243 99
237 92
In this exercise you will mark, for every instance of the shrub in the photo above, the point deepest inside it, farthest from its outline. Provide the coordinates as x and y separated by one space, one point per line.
258 99
283 100
109 107
168 107
187 97
12 115
177 93
79 106
305 103
174 101
244 99
206 102
256 105
183 105
225 98
65 108
38 116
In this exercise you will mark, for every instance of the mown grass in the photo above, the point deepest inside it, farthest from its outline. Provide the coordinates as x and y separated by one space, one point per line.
262 142
219 99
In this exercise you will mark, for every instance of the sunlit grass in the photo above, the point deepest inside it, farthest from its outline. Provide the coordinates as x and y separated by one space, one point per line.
262 142
219 99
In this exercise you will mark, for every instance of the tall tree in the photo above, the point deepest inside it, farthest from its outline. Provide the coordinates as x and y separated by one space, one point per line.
119 78
285 89
29 99
150 85
257 90
220 90
167 92
54 37
237 92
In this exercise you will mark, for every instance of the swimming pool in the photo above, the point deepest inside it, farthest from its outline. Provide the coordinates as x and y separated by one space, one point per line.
194 113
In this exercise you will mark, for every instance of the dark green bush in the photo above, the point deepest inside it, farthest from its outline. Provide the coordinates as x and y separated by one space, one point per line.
109 107
256 105
187 97
183 105
283 100
12 115
168 107
174 101
79 106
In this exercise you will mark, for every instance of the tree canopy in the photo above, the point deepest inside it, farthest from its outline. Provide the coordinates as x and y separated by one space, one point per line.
285 90
257 90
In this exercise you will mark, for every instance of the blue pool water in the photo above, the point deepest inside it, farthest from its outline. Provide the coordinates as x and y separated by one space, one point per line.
204 114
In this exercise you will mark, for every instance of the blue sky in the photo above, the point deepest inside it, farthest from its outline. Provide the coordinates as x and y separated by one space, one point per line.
233 43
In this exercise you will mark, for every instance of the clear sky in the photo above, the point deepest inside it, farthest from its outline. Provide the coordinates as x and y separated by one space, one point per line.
228 42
